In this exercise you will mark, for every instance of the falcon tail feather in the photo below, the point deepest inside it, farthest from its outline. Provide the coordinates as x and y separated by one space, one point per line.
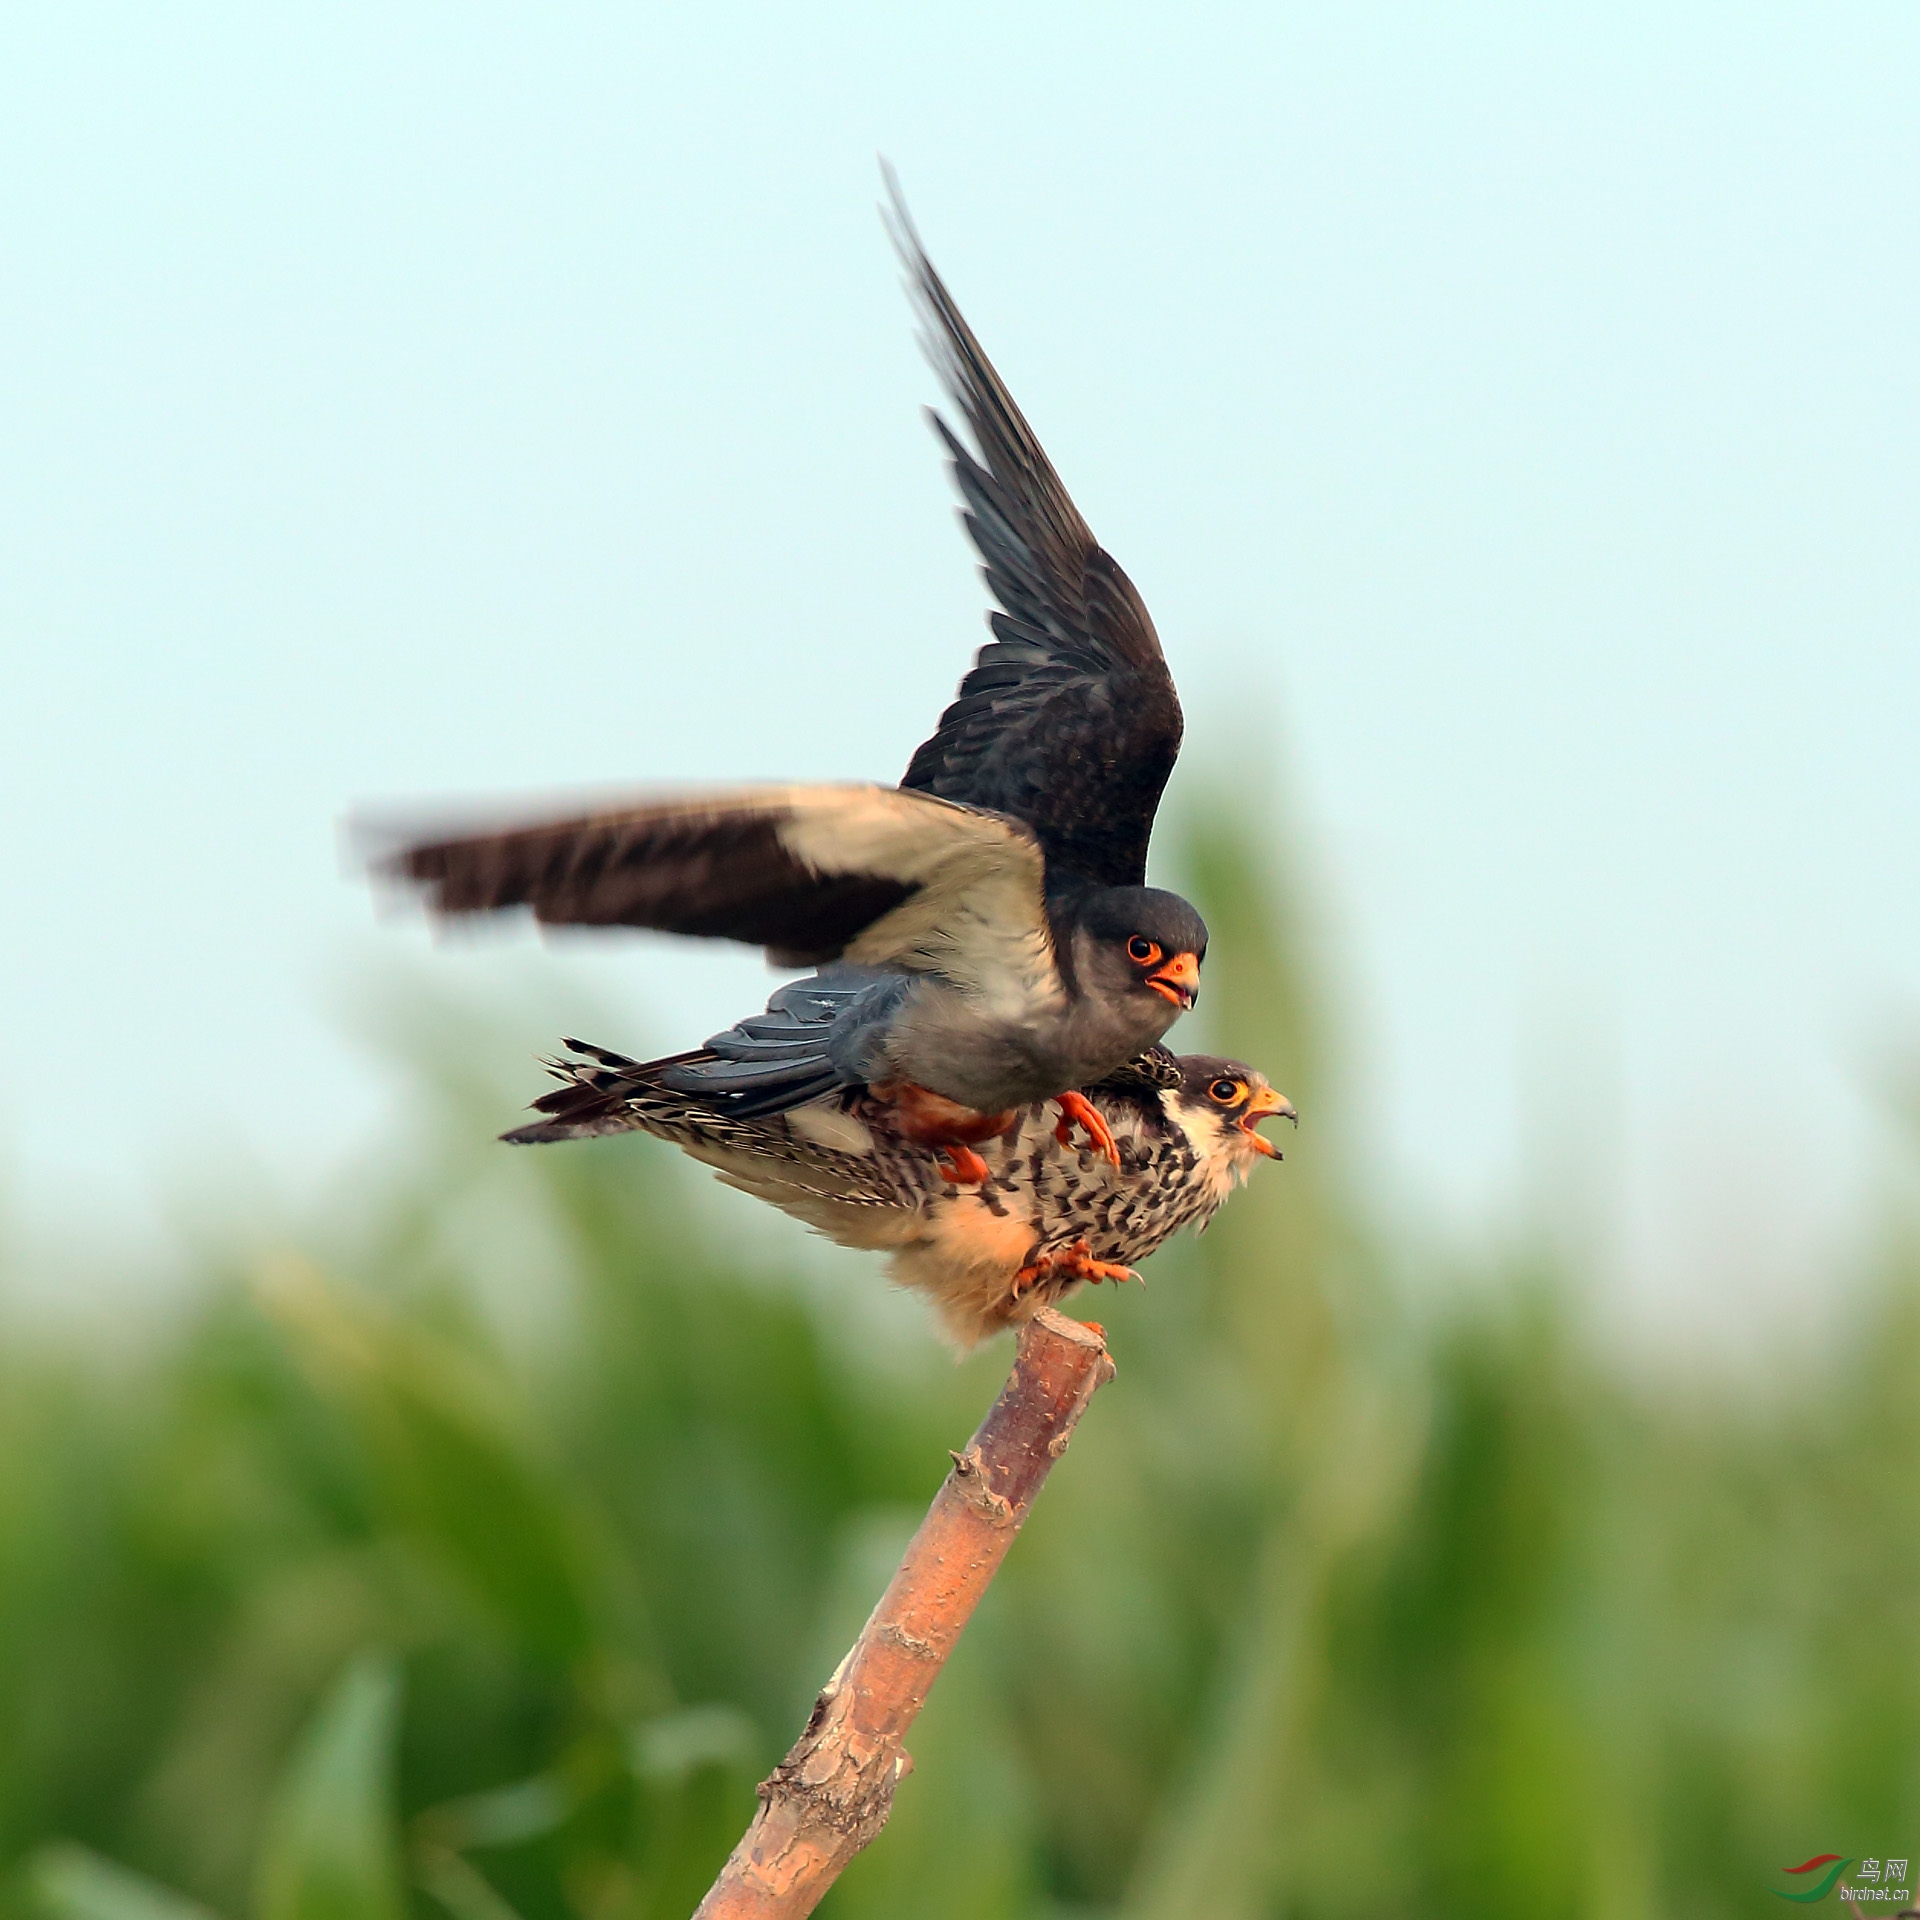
603 1092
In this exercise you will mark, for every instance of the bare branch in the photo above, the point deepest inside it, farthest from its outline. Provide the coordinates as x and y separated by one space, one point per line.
832 1793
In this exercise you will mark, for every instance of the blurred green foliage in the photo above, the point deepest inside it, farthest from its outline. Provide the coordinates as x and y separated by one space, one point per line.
475 1554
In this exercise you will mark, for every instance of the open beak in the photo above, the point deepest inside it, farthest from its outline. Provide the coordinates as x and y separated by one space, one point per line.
1178 980
1264 1102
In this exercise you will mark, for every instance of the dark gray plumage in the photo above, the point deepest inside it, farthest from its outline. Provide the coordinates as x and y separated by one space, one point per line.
984 932
1068 719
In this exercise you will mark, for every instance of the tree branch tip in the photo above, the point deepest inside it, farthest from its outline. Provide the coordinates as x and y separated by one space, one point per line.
1063 1327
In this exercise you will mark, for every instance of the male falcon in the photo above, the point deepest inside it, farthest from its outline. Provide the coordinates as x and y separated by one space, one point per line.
982 935
1044 1218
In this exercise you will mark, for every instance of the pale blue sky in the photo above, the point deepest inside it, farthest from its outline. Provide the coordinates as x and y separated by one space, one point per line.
1508 413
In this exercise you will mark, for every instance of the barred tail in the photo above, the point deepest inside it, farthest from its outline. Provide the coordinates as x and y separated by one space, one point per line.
603 1092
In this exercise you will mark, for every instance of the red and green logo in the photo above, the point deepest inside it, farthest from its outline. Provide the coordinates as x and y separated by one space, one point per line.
1829 1866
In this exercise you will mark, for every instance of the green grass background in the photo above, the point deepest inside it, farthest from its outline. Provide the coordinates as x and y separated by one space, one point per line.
475 1552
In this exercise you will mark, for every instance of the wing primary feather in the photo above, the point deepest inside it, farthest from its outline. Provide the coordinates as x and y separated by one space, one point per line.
1068 720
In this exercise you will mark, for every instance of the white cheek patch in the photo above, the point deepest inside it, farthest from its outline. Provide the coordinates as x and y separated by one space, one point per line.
1226 1155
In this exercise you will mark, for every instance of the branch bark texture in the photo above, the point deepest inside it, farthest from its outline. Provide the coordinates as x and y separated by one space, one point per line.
833 1792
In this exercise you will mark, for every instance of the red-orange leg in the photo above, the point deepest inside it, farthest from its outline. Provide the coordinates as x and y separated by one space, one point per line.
1070 1263
960 1164
932 1120
1076 1110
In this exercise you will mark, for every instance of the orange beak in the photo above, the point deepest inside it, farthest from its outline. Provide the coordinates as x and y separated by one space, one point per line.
1178 980
1264 1102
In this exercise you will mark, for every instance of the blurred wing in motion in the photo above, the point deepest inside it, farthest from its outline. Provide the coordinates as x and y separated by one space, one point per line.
886 878
1068 719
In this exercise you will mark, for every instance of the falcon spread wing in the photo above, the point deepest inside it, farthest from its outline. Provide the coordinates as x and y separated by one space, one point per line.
1068 719
874 875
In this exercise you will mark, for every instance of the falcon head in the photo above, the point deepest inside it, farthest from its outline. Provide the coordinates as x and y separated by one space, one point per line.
1144 945
1220 1102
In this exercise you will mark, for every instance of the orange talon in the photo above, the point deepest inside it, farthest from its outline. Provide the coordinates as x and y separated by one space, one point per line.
1070 1263
960 1164
1076 1110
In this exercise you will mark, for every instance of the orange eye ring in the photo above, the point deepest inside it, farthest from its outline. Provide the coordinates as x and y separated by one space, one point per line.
1227 1093
1142 951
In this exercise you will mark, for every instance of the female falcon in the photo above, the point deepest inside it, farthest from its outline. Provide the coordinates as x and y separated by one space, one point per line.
1040 1222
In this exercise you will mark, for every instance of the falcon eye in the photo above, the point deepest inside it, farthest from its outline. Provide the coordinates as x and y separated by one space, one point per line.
1143 950
1226 1092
